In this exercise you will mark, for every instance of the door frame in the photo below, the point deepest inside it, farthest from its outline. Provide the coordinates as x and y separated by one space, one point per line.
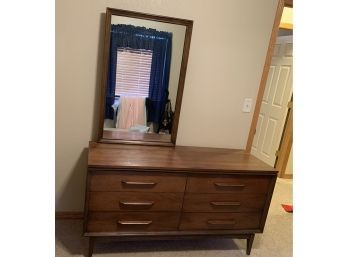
266 67
285 144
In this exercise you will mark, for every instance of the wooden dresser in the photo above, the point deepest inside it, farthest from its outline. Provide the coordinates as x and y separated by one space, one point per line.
135 192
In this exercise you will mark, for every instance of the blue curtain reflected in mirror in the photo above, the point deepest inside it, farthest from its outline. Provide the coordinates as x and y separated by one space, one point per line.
160 43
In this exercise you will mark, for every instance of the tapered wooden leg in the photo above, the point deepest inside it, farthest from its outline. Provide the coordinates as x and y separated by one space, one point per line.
250 241
90 246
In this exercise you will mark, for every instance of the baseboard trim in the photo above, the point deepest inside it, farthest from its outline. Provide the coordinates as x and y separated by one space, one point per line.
69 215
288 176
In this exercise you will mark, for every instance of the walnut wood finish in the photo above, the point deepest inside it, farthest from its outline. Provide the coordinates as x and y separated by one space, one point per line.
132 221
179 94
233 202
250 241
227 220
137 192
267 202
133 201
90 246
173 234
70 215
175 159
225 184
132 181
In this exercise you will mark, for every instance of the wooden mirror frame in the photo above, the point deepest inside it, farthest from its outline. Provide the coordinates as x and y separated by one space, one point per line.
185 54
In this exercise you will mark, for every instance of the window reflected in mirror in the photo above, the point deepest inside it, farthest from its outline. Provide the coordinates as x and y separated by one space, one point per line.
142 79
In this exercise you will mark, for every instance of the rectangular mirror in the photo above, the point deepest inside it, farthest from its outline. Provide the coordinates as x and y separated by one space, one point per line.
145 60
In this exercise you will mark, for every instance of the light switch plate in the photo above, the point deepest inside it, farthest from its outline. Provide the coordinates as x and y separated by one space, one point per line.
247 105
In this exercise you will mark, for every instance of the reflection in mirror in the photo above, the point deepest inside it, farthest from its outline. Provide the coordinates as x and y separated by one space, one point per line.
142 80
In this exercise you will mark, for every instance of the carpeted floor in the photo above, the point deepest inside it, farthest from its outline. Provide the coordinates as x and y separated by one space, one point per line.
276 241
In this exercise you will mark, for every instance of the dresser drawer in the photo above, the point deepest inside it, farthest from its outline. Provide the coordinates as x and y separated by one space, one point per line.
218 221
137 183
134 201
132 221
225 184
232 202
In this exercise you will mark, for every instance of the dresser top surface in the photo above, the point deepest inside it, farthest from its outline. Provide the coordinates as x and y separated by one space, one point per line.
178 158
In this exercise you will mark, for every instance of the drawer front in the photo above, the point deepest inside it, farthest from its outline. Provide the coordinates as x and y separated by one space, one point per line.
137 183
134 201
233 202
225 184
218 221
132 221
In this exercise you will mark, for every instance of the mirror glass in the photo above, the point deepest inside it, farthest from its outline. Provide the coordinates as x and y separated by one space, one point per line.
143 72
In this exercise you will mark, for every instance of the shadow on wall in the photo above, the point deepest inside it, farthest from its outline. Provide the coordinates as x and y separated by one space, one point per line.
96 112
72 196
73 193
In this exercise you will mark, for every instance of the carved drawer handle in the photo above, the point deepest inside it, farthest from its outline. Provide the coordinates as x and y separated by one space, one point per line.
225 204
221 222
137 204
134 222
229 185
138 183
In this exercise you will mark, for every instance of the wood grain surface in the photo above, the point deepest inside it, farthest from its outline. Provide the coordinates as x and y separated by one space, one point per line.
136 182
227 184
179 158
232 202
134 201
220 221
132 221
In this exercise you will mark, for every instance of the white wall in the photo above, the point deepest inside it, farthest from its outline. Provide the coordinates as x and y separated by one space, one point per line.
228 50
178 38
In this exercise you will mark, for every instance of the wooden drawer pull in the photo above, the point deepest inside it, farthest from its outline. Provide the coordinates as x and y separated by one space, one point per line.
137 204
221 222
229 185
225 203
138 183
134 222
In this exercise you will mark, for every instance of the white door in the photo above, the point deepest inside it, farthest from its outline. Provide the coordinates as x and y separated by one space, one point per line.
274 104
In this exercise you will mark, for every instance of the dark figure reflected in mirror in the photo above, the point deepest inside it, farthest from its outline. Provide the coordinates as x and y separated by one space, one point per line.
143 78
137 90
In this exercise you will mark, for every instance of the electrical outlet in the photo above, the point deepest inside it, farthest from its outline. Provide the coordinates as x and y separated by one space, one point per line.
247 105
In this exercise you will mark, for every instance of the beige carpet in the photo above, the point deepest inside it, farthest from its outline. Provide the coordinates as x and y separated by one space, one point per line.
275 241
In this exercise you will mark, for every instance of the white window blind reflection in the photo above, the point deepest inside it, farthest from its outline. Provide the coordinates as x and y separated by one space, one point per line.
133 72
